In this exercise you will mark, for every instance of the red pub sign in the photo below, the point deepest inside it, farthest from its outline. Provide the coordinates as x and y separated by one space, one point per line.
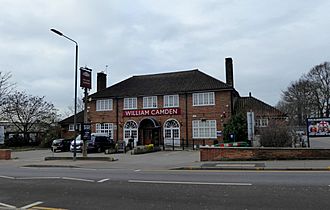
151 112
85 77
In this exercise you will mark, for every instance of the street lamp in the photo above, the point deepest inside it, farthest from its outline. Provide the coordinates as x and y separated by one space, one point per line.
75 91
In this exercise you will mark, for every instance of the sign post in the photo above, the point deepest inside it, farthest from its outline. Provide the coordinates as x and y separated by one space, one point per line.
2 134
85 83
250 124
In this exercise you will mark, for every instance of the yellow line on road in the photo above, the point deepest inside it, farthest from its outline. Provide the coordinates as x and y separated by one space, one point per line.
45 208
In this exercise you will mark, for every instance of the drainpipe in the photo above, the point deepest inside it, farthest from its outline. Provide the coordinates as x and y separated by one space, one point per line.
186 119
117 120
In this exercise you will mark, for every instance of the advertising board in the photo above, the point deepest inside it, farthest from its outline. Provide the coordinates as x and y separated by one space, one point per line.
318 127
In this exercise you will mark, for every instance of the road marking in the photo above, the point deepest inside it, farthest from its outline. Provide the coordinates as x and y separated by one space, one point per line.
192 183
7 177
77 179
8 206
31 205
46 208
137 170
235 165
102 180
42 177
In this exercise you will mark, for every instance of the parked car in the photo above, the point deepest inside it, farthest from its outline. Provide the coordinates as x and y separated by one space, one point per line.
62 145
79 145
97 143
100 143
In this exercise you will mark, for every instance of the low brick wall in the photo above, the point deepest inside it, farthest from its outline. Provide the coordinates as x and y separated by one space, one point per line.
5 154
234 153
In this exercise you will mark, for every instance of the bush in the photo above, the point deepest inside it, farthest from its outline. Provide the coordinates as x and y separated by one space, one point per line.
150 147
236 126
275 135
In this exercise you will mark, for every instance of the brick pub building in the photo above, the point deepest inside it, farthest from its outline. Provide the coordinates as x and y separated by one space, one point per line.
184 107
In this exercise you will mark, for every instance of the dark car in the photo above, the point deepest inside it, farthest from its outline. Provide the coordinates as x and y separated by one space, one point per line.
62 145
100 143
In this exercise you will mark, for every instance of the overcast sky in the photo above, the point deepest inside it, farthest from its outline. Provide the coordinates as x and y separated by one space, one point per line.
272 42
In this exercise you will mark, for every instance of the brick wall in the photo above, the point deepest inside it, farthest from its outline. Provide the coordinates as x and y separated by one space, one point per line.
221 112
218 154
5 154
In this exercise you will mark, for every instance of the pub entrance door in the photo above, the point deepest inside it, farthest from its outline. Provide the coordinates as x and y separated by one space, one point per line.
149 132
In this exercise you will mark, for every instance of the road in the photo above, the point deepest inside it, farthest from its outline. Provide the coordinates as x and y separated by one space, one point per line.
78 188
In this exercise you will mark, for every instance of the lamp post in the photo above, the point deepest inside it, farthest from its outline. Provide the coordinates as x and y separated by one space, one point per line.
75 91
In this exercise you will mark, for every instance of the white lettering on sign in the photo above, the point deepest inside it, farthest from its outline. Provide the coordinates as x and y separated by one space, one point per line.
151 112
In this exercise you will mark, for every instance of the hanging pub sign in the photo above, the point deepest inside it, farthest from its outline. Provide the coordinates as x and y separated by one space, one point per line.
85 77
318 127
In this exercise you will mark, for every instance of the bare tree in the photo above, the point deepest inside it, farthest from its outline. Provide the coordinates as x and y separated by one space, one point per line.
319 76
70 109
28 112
309 96
5 86
298 101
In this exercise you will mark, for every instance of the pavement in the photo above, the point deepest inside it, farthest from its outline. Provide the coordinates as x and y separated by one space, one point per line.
162 160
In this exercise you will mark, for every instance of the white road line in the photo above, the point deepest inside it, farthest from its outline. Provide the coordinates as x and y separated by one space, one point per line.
31 205
192 183
102 180
7 177
41 177
8 206
77 179
85 169
137 170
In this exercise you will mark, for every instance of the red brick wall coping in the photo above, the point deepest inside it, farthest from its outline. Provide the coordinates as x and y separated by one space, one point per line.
245 153
5 154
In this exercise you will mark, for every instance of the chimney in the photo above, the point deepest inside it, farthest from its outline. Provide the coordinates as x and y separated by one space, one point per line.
101 81
229 72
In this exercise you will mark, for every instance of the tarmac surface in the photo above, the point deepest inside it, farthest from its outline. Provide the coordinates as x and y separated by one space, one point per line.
162 160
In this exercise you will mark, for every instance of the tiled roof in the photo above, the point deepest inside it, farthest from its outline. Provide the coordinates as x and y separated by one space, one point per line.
245 104
165 83
69 120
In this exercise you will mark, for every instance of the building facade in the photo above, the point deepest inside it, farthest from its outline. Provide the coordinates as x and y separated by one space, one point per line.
178 108
186 107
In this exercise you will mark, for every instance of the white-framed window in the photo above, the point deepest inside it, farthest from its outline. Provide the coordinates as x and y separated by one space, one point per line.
172 132
261 122
130 103
150 102
105 128
204 129
203 99
131 130
71 127
104 105
171 101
